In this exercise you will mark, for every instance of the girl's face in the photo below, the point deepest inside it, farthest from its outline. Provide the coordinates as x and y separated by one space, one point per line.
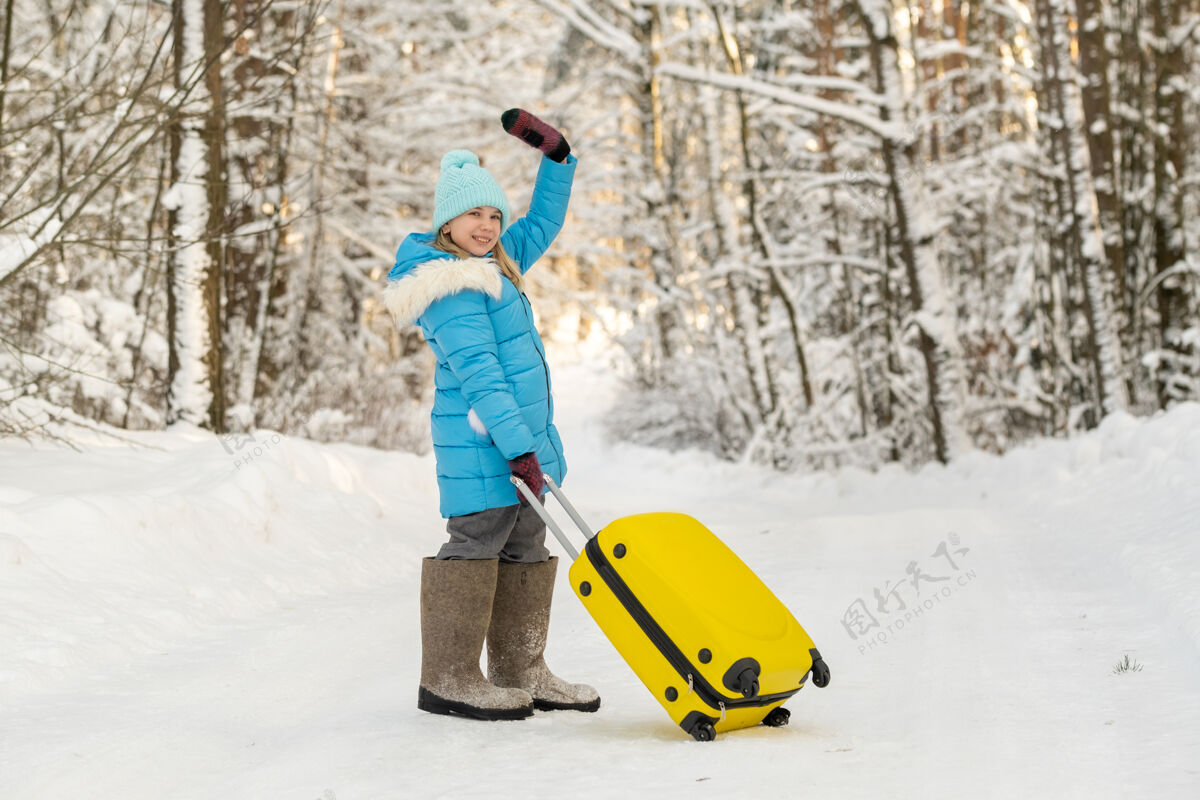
475 231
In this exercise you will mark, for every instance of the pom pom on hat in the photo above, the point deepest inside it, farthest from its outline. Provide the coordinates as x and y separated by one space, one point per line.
464 185
458 158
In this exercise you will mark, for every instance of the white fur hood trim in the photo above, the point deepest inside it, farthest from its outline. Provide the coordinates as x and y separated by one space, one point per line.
408 297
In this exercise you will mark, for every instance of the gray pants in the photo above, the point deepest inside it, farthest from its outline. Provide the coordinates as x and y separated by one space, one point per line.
515 534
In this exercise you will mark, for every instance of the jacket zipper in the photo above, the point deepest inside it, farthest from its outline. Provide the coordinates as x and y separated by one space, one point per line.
545 371
662 641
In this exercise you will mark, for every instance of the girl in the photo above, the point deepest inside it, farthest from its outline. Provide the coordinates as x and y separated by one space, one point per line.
493 417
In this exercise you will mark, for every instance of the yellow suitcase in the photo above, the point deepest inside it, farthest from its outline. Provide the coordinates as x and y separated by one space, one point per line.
709 640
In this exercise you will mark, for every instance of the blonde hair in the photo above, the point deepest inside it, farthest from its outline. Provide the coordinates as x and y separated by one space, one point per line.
507 266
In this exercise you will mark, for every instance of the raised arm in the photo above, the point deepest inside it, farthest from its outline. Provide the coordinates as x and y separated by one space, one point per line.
530 236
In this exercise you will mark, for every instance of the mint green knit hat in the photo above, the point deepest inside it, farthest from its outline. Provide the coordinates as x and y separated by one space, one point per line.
464 185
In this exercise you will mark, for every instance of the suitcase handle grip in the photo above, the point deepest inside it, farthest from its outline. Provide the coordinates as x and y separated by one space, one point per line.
550 523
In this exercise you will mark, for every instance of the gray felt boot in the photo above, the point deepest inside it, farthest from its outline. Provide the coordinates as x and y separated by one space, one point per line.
456 604
516 639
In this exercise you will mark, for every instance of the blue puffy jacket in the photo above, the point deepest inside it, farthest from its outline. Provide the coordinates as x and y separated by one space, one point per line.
492 400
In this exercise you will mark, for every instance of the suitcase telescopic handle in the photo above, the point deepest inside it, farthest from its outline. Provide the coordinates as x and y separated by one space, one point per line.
550 523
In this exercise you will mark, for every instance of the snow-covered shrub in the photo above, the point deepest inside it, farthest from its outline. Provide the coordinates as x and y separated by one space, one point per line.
89 354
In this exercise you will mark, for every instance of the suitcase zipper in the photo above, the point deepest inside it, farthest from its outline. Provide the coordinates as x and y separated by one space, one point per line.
662 641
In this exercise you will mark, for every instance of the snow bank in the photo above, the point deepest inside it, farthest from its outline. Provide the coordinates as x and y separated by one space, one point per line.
127 547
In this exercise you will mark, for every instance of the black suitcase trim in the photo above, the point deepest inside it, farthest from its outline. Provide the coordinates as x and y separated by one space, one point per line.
663 642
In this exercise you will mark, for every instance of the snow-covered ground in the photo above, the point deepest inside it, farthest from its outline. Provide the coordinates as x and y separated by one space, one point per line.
186 617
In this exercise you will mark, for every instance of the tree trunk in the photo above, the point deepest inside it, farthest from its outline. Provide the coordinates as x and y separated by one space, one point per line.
762 240
253 277
314 270
933 314
152 274
746 296
196 201
266 291
669 322
827 58
1097 111
1087 240
5 55
1056 298
1170 254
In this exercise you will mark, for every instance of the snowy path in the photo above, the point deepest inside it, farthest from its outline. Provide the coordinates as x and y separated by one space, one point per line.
260 639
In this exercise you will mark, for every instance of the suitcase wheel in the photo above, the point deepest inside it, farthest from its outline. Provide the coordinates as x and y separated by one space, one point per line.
699 726
748 683
778 717
742 677
820 671
704 732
